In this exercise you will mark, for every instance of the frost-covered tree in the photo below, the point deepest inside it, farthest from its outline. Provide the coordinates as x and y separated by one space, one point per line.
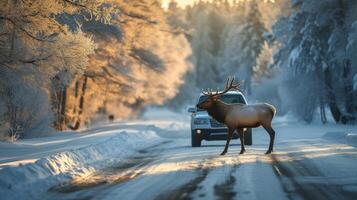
139 60
176 17
316 46
251 44
214 30
84 60
34 48
202 46
351 51
229 58
206 26
31 36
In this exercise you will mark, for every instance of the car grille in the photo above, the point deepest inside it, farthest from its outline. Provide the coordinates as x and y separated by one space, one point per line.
215 124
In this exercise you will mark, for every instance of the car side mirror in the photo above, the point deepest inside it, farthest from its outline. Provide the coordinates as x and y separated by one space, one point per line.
192 109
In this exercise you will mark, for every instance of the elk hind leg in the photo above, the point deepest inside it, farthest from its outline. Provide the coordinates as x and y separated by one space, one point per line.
241 137
229 137
271 133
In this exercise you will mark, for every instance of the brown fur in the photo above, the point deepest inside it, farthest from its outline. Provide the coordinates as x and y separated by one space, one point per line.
240 116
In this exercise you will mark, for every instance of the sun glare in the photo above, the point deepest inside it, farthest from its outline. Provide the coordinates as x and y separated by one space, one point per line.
183 3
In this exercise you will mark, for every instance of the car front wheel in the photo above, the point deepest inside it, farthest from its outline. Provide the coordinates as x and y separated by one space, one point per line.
195 139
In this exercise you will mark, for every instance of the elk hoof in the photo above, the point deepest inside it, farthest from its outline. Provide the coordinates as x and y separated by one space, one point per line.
224 152
268 152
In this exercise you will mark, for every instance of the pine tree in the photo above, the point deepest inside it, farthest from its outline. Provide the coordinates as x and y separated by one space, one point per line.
316 46
251 45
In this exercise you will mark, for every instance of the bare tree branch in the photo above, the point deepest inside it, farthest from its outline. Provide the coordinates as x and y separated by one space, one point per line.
24 30
35 60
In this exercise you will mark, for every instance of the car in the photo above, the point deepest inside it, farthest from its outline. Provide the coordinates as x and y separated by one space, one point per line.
204 127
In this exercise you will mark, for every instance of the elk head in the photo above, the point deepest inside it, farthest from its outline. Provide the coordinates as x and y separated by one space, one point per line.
211 97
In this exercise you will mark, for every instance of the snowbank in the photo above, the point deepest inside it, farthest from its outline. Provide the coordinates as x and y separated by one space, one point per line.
29 180
342 137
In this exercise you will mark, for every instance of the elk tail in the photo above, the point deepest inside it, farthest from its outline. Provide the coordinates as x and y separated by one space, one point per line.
272 109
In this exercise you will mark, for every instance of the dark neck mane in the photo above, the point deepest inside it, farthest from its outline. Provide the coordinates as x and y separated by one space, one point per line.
218 111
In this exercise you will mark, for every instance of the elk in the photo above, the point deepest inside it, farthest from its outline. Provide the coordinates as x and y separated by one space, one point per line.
238 116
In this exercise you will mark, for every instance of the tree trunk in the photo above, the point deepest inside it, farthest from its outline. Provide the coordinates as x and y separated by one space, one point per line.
348 87
321 94
322 109
63 103
59 103
12 42
77 122
322 113
76 91
331 97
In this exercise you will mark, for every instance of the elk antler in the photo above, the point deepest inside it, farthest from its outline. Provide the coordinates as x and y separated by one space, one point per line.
229 85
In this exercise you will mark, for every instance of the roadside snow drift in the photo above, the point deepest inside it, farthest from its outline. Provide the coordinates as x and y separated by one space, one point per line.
29 180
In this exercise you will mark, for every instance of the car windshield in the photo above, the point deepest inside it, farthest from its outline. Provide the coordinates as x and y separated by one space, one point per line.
227 98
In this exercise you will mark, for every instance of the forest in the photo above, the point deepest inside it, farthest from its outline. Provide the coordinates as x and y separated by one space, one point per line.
69 64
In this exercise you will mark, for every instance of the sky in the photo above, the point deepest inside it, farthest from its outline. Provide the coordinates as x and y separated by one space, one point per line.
183 3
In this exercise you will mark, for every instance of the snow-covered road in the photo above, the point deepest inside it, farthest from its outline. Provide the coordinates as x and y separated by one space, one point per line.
303 166
310 168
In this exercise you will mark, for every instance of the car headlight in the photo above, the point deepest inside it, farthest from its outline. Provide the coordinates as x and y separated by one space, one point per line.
200 121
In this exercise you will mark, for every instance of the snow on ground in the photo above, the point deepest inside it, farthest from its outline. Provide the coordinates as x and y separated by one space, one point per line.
30 150
43 173
349 138
28 166
151 158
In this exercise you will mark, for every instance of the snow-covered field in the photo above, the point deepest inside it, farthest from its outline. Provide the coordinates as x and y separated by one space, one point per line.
151 158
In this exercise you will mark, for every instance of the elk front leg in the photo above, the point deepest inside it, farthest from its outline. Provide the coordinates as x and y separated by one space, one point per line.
241 137
229 137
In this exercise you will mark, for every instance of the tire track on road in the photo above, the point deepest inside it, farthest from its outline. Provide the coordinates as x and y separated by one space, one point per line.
222 190
225 190
301 178
184 192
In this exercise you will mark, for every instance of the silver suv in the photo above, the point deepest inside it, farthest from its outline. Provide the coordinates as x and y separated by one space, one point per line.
204 127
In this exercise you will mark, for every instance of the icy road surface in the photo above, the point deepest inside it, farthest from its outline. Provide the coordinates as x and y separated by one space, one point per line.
152 159
303 166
